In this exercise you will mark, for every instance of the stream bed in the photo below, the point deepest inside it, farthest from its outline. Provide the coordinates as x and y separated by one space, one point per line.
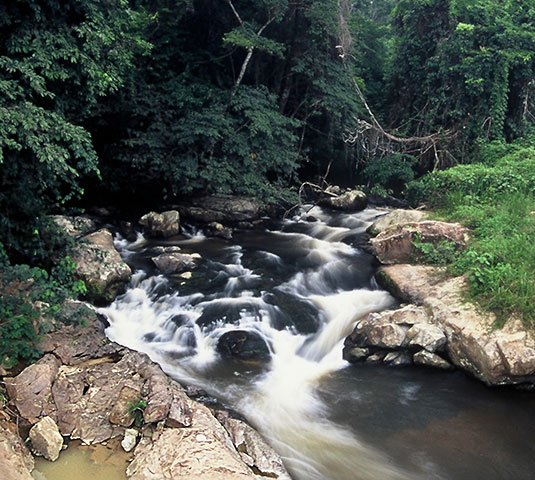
260 326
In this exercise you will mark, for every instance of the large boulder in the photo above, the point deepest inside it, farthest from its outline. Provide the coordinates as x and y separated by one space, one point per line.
75 226
396 217
222 209
16 462
100 266
161 225
350 201
46 439
397 244
495 356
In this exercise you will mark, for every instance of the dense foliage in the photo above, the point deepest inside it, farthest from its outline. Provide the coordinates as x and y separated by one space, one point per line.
495 199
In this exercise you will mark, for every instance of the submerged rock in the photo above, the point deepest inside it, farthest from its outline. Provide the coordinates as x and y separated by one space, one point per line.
100 266
161 225
396 244
46 439
242 344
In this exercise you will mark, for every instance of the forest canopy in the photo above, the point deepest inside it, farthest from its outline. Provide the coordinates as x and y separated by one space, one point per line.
163 99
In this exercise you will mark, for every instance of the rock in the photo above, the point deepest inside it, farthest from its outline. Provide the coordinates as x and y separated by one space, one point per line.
159 399
424 357
497 357
376 357
16 462
31 390
121 412
100 266
397 359
396 243
75 226
379 331
161 225
215 229
170 263
396 217
351 201
180 412
46 439
188 454
255 452
242 344
355 354
159 250
427 336
130 438
222 209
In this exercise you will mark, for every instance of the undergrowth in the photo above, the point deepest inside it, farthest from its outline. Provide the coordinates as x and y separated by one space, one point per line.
496 201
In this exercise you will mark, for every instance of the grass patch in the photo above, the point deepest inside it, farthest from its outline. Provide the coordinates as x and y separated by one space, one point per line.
498 204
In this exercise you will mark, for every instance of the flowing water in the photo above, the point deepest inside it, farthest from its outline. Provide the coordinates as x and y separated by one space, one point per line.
294 293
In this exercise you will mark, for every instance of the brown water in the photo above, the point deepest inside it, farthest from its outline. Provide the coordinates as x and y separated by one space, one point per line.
82 462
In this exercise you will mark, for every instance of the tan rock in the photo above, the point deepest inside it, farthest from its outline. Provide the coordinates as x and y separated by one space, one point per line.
31 390
16 462
121 412
396 217
428 359
351 201
187 454
396 243
159 399
46 439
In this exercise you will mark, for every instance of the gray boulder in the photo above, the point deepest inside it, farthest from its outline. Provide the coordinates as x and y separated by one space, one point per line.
170 263
46 439
428 359
161 225
351 201
226 209
75 226
425 335
100 266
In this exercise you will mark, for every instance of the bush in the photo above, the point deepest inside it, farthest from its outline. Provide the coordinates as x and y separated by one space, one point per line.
388 175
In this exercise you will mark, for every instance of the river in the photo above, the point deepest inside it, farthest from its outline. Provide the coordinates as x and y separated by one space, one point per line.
294 293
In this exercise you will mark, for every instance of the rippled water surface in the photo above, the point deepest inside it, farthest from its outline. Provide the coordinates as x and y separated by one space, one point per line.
298 290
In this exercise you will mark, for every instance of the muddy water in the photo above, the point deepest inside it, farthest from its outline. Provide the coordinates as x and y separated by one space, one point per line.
300 288
79 462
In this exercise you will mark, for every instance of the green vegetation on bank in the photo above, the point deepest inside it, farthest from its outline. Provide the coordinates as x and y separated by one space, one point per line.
496 200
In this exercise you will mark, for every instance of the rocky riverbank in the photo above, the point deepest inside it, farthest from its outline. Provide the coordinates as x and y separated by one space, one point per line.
438 328
88 388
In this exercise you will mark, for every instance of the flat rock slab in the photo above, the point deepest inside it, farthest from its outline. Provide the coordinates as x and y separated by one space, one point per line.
222 209
497 357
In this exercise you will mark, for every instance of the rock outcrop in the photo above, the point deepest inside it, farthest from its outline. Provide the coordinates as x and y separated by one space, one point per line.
396 217
495 356
75 226
396 244
16 462
161 225
350 201
96 390
396 337
100 266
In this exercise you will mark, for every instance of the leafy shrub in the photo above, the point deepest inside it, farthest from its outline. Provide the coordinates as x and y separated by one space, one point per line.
29 293
389 174
136 409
